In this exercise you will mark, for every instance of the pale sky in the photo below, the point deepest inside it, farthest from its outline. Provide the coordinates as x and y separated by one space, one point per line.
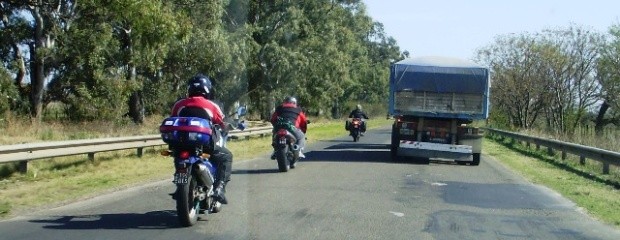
457 28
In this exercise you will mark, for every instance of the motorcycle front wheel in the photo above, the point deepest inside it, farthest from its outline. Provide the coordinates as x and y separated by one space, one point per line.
187 202
356 135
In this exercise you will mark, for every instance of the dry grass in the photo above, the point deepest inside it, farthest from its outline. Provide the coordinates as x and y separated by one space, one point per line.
584 135
21 130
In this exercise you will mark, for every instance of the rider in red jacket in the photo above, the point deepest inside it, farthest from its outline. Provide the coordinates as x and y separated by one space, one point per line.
290 112
199 104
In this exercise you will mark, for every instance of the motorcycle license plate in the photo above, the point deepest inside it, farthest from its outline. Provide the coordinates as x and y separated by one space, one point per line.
180 178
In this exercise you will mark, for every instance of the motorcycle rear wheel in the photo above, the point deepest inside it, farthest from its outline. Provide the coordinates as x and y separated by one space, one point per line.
187 202
281 156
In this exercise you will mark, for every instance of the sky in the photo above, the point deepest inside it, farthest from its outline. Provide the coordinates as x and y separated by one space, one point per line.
457 28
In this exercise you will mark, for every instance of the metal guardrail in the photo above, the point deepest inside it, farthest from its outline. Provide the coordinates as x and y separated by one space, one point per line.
604 156
23 153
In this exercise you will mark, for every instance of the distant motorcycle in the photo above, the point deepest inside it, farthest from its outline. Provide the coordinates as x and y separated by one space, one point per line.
194 175
355 128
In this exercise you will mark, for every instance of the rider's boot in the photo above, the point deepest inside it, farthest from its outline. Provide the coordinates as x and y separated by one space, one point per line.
220 190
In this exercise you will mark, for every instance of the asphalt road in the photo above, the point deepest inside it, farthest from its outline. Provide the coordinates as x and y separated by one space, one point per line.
343 190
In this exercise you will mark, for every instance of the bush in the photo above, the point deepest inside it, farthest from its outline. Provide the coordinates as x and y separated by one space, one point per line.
9 94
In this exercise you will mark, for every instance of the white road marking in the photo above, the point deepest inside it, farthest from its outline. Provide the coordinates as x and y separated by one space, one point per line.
398 214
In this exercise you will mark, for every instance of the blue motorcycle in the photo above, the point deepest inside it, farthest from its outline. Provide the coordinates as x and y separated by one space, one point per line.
188 139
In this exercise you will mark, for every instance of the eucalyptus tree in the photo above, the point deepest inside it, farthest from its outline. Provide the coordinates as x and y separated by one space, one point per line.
217 45
608 75
35 25
15 34
275 69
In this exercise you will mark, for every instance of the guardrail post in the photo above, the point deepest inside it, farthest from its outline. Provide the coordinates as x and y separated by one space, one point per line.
91 157
582 160
139 152
563 155
605 168
527 144
23 167
537 147
550 151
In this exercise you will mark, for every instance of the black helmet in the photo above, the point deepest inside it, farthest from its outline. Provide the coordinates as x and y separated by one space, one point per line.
290 99
200 85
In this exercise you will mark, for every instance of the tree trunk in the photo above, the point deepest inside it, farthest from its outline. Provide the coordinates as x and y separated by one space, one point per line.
600 119
37 74
136 107
136 101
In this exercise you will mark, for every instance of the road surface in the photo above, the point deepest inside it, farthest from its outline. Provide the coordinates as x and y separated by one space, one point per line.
343 190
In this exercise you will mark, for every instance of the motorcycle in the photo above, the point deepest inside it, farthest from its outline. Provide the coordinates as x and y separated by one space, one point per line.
194 175
285 149
355 128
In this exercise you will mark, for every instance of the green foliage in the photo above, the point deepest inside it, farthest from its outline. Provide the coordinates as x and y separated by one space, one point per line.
8 93
106 100
253 50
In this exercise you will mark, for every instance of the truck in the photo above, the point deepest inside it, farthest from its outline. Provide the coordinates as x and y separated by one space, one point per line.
434 100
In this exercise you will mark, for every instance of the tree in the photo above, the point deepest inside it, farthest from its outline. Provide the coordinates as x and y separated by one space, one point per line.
571 71
517 87
49 20
608 75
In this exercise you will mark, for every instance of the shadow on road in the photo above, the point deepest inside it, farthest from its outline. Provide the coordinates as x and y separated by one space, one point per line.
150 220
362 146
356 152
257 171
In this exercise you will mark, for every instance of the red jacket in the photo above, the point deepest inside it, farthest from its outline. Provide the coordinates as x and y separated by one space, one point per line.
293 113
214 111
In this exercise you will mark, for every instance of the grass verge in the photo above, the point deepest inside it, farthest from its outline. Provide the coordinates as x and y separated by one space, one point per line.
592 193
54 182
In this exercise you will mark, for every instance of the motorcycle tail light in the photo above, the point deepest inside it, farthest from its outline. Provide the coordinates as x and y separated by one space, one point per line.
281 132
184 154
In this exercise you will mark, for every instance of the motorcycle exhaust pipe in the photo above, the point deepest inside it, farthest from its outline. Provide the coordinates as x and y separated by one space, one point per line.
296 150
205 176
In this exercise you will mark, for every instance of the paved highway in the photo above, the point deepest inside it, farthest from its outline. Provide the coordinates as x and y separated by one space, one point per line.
343 190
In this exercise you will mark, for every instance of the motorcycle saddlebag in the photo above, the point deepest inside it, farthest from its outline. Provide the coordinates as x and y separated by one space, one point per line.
347 125
186 131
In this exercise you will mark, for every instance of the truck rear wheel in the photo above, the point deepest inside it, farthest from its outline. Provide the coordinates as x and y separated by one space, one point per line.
394 144
476 161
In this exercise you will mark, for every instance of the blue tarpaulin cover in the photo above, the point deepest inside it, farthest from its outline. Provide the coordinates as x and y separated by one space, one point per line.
440 75
445 76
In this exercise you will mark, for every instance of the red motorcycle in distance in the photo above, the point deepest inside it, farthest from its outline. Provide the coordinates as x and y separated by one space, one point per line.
355 128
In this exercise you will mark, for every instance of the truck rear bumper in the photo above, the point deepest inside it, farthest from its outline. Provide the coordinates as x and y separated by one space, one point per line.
435 150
